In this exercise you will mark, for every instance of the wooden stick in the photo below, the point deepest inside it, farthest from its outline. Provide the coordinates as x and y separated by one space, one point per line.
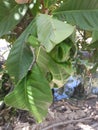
66 122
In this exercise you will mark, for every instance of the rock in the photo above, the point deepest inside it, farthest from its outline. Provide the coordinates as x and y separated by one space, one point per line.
70 127
71 116
80 114
22 126
94 90
1 121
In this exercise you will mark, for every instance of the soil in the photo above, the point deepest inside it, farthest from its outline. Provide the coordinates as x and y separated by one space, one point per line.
69 114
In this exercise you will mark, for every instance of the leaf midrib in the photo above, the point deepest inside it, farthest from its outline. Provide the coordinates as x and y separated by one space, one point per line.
76 11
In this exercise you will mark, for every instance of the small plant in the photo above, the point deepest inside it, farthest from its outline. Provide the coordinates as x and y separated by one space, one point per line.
44 49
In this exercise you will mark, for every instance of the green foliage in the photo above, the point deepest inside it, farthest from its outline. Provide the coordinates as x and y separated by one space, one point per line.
95 37
61 52
47 50
82 13
49 3
60 71
52 31
35 10
10 15
35 94
33 41
21 57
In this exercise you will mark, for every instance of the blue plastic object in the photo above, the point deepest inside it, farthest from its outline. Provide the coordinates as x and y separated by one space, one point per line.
68 89
94 90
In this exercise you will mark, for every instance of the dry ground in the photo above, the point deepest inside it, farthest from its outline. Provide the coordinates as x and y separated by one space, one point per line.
63 115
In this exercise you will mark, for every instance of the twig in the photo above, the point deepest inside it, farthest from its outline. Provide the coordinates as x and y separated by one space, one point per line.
66 122
34 59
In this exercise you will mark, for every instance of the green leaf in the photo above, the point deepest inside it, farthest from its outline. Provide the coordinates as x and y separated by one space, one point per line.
10 15
94 42
93 45
33 41
61 52
35 9
32 93
52 31
49 3
94 36
21 57
82 13
59 71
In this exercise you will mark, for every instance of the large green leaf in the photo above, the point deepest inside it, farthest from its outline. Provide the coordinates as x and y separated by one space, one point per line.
95 37
94 42
21 57
83 13
52 31
10 15
59 71
32 93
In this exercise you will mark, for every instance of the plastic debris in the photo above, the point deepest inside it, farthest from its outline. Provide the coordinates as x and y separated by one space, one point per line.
4 51
4 48
68 90
94 90
57 95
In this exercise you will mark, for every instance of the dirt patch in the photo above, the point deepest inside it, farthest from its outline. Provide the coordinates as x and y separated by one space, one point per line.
65 115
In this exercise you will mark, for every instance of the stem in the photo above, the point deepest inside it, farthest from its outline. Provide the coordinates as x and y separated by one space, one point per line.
44 9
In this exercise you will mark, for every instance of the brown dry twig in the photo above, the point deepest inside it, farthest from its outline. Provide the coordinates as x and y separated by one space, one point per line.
66 123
